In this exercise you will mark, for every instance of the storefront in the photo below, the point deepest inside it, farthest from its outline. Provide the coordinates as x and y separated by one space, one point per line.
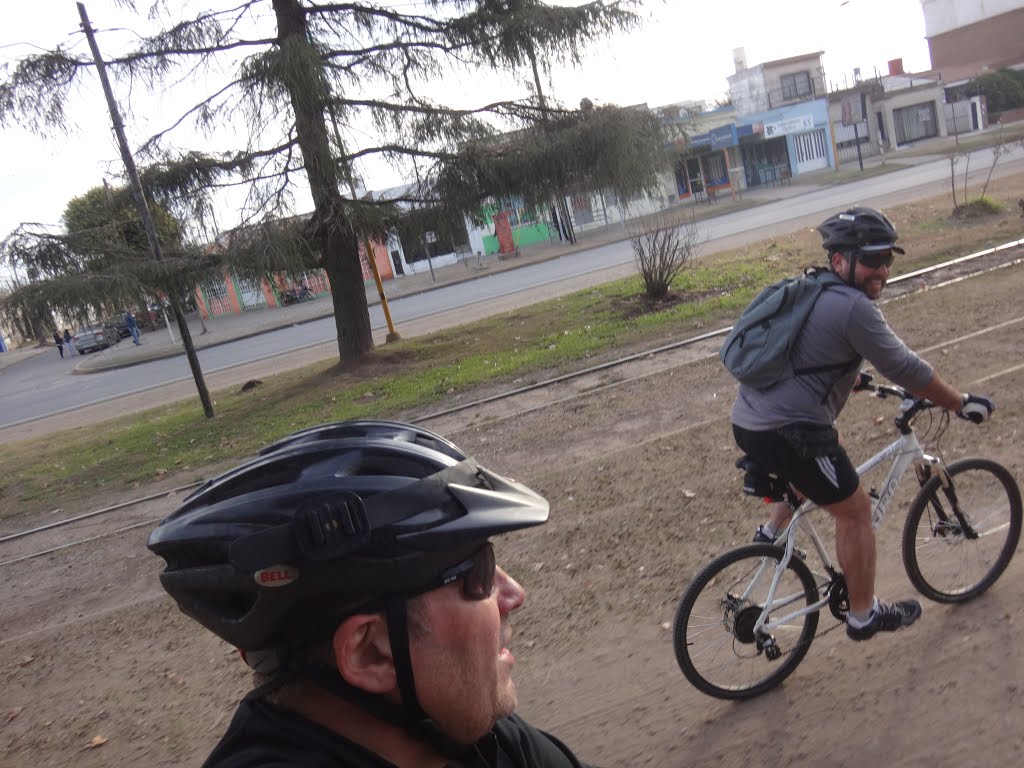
781 143
704 167
764 161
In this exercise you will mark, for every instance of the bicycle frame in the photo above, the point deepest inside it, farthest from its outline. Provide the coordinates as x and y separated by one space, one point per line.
903 452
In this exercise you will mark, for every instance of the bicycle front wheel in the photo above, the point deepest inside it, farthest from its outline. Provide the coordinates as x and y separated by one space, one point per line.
713 634
959 539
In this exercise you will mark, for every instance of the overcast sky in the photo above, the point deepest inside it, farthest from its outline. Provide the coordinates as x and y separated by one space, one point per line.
684 51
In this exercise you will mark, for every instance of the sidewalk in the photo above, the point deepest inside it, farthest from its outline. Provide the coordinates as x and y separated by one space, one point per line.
158 343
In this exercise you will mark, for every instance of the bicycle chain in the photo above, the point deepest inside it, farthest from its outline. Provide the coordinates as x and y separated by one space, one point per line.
808 642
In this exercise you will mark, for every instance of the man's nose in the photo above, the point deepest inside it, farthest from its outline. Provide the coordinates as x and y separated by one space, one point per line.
511 594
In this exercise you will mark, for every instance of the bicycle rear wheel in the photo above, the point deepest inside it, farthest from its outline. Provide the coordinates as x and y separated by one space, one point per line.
958 540
713 635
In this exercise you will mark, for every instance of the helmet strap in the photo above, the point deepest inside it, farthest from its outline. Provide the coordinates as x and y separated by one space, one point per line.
418 724
408 714
851 258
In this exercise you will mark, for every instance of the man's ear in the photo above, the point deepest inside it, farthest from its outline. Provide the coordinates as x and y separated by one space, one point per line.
362 651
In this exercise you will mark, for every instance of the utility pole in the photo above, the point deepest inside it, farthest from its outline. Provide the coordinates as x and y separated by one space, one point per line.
392 334
139 196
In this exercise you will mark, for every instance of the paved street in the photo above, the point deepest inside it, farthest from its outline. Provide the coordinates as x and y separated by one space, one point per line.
37 384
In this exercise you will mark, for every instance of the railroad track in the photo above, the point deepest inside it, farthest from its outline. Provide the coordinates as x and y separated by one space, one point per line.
137 513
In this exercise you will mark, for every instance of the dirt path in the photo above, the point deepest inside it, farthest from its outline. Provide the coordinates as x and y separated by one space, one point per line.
643 492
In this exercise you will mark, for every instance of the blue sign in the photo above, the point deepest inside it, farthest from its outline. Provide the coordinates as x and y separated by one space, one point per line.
717 138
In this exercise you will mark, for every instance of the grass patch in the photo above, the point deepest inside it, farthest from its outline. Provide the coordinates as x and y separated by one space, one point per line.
980 207
174 443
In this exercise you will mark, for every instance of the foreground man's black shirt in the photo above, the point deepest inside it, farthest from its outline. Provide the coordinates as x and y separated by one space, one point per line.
262 736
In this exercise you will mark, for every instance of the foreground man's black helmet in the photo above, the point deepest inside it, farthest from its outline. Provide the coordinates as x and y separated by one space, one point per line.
327 520
350 516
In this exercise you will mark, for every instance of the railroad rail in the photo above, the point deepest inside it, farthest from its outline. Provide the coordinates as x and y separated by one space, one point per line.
935 276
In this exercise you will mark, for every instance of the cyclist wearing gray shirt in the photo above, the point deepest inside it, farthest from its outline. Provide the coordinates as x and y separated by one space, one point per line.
788 428
844 326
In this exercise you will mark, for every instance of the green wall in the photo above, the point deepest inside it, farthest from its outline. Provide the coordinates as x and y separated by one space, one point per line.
535 233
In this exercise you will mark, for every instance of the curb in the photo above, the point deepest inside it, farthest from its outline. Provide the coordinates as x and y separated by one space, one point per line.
86 366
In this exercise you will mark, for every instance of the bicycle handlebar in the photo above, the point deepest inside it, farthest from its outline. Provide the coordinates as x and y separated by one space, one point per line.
912 405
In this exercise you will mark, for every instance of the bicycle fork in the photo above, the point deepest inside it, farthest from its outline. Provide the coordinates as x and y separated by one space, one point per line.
945 526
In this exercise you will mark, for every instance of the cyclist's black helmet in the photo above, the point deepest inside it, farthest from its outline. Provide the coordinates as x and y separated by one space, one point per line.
858 229
328 520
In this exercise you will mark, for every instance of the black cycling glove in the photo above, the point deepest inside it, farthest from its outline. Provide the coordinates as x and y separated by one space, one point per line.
976 408
863 380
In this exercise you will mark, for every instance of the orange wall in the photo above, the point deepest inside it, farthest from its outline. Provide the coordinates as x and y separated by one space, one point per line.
381 257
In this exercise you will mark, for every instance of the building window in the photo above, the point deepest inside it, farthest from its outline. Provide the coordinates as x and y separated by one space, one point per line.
215 288
796 86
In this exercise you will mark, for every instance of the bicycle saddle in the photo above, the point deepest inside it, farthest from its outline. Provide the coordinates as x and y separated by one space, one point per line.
758 481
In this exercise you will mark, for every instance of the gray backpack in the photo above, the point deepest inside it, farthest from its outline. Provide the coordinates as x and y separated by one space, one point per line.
758 350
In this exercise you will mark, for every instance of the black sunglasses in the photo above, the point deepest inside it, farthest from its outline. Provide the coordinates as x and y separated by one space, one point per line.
875 259
477 574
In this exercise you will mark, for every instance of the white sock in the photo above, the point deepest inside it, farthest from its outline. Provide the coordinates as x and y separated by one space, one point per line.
858 619
769 529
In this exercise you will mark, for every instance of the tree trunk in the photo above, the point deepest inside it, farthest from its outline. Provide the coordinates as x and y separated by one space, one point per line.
36 326
192 356
340 248
331 228
952 181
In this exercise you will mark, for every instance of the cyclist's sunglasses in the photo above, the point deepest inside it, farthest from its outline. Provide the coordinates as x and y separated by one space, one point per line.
477 574
874 257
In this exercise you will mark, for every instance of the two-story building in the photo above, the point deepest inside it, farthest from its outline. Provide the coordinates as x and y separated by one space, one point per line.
782 123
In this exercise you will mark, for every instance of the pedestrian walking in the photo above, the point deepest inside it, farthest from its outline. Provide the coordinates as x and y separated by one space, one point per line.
133 327
59 341
68 342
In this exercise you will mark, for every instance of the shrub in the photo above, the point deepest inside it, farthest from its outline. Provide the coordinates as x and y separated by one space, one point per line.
662 247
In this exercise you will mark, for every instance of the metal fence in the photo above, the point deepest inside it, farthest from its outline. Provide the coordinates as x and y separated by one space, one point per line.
847 139
960 118
915 122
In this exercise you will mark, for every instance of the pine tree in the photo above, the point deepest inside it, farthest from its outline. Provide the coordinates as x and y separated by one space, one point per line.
327 68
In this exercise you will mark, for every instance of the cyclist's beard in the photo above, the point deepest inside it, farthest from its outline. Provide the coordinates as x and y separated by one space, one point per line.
872 284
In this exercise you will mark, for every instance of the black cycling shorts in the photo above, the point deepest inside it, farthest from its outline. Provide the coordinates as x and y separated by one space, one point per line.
808 456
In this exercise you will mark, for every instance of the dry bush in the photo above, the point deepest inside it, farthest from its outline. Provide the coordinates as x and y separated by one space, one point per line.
662 247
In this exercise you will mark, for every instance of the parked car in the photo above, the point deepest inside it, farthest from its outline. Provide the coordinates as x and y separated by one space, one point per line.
89 338
118 323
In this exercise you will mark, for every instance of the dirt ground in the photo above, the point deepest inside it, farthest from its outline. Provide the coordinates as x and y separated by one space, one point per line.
643 492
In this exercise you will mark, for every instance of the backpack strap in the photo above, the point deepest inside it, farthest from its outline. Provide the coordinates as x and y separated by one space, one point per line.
828 279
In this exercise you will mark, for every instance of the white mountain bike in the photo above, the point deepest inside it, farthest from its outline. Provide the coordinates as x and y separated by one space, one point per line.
748 618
